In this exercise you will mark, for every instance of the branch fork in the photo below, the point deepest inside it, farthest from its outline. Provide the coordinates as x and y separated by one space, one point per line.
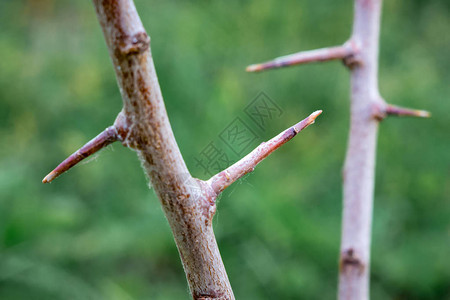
202 195
219 182
143 125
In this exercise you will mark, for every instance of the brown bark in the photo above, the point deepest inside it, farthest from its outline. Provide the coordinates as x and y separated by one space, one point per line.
145 128
143 125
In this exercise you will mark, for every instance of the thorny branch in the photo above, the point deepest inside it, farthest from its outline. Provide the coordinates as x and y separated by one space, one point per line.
143 126
218 182
360 55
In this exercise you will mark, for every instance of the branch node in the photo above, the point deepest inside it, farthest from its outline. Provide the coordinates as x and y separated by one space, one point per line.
350 261
379 110
353 59
134 44
108 136
124 128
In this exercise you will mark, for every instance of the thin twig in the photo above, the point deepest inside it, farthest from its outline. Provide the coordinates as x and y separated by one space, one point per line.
108 136
318 55
247 164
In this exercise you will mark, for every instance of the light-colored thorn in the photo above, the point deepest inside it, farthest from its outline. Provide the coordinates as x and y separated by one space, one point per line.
304 57
52 175
247 164
402 111
423 113
307 121
314 115
253 68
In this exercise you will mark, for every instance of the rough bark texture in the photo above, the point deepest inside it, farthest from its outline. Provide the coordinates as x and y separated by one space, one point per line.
188 204
143 125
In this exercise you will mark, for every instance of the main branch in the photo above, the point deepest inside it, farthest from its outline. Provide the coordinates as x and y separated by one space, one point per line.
143 125
188 203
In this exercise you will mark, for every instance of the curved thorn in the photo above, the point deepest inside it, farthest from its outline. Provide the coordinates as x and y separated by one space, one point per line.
108 136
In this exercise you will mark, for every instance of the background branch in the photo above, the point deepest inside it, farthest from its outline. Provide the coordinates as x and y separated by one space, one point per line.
359 167
360 54
319 55
393 110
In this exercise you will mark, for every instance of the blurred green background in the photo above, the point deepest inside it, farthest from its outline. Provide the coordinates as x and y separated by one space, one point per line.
98 232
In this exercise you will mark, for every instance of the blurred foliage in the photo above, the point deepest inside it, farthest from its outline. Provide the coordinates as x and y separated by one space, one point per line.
98 232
